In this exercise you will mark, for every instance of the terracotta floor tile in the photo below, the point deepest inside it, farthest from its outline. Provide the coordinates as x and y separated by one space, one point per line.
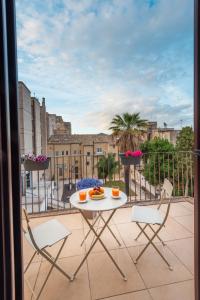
177 209
30 279
153 269
187 222
106 281
28 252
174 230
99 222
184 250
72 246
122 215
71 221
141 295
107 239
177 291
59 287
188 205
129 232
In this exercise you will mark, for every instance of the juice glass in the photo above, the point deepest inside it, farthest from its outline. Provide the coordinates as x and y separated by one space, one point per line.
115 191
82 195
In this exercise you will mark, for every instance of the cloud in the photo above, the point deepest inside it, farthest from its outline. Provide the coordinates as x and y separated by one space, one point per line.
91 58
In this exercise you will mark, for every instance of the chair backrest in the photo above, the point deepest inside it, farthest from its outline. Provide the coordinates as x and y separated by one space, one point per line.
28 229
166 191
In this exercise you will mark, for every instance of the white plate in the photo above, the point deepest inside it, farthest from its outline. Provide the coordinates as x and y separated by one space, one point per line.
79 201
116 197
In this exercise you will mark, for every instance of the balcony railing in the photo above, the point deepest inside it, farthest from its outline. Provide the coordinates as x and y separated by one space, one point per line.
50 189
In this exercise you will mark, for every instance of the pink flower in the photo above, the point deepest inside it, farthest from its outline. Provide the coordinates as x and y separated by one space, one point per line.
128 153
136 153
39 158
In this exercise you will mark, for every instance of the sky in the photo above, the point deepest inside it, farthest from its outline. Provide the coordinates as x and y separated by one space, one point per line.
92 59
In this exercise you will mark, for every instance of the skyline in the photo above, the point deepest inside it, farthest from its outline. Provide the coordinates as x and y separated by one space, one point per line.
142 60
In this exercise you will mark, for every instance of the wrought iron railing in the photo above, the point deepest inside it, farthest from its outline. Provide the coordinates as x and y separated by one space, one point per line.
50 189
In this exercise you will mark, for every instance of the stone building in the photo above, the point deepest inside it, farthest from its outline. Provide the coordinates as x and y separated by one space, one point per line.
43 125
36 127
169 134
76 156
56 125
25 119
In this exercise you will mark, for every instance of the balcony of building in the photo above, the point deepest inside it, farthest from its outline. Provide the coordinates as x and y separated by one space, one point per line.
46 195
150 279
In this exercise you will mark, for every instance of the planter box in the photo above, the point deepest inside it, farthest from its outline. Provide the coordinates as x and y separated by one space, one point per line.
130 160
30 165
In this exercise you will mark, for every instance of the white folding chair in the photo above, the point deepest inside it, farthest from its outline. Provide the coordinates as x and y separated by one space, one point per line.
152 216
41 237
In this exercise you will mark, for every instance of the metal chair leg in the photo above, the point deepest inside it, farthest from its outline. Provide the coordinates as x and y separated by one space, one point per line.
151 243
158 236
140 232
53 264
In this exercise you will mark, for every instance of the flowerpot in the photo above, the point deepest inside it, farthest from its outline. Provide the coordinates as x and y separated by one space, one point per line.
129 160
30 165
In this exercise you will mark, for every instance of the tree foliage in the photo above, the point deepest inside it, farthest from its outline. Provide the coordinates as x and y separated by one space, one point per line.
107 166
185 139
129 130
158 160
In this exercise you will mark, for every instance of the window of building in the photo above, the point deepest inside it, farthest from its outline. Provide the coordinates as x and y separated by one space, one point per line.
63 152
66 152
99 150
88 153
76 162
87 163
57 153
60 171
74 151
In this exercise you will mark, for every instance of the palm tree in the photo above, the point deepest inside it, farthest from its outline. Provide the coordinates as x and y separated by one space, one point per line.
129 129
107 166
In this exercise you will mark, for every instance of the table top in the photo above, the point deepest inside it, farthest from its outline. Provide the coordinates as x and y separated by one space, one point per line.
108 203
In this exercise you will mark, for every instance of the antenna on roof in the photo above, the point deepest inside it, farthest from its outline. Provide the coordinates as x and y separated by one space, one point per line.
165 125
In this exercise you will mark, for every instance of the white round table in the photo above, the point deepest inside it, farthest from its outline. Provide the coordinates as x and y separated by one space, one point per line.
99 206
108 203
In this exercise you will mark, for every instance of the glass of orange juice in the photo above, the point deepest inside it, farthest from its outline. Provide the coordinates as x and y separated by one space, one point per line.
115 191
82 195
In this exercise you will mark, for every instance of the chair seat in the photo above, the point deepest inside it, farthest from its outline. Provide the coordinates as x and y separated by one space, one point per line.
48 233
143 214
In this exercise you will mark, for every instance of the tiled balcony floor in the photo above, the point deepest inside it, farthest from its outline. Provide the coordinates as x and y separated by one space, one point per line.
150 279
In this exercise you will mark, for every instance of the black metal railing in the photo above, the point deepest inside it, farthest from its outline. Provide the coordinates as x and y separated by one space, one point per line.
51 189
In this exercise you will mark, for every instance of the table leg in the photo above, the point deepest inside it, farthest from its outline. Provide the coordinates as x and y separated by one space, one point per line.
110 230
90 230
92 246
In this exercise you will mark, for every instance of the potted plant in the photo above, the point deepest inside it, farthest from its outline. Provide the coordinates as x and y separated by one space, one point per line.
36 163
131 157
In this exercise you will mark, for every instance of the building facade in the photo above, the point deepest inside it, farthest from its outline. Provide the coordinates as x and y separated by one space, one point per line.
56 125
25 119
169 134
36 127
76 156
